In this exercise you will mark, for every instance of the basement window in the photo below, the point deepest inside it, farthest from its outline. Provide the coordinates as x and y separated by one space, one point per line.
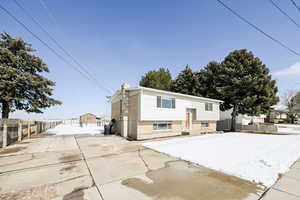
162 125
205 124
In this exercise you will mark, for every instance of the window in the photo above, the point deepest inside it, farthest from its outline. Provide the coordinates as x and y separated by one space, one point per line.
162 125
205 124
158 101
208 107
164 102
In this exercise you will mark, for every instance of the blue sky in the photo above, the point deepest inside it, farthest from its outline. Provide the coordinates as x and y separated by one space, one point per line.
121 40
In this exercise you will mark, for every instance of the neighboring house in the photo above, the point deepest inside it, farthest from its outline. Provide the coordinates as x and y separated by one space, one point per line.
105 119
243 119
279 114
87 119
143 113
71 121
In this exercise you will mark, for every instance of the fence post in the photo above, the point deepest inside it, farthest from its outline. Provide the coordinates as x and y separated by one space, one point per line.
4 134
35 128
20 131
40 128
28 129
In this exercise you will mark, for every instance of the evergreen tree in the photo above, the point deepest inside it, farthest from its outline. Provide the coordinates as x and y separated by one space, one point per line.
22 87
160 79
187 82
209 81
243 82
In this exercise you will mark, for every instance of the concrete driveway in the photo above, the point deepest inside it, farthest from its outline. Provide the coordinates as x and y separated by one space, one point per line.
109 168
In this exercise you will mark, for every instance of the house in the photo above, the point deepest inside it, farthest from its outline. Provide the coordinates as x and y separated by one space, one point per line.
104 119
143 113
242 119
88 119
71 121
278 114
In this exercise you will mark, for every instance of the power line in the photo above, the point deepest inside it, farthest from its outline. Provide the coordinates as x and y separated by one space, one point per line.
258 29
54 20
295 4
61 47
44 43
34 35
51 16
284 13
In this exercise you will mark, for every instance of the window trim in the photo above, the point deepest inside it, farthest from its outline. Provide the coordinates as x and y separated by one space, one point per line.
205 122
159 100
209 107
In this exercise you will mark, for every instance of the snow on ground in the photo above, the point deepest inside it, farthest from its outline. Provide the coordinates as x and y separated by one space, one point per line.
288 128
254 157
74 129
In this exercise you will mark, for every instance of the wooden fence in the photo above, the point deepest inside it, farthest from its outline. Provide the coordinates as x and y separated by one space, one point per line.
267 128
225 125
12 130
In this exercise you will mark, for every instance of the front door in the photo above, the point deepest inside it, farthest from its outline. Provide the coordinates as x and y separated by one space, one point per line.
188 121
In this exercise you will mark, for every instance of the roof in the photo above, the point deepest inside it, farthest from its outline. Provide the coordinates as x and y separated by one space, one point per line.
279 107
172 93
87 114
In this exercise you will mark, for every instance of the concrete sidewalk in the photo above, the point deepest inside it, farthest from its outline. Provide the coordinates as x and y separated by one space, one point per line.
287 187
90 167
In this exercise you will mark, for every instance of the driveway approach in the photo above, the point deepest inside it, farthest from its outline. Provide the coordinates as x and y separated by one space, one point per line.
109 168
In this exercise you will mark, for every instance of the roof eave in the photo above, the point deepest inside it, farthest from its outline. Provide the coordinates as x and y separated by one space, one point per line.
174 93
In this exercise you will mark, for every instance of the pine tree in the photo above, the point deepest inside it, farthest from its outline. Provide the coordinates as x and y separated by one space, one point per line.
243 82
209 80
160 79
22 87
187 82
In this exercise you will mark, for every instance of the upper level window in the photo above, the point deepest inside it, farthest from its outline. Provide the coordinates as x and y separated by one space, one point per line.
208 107
165 102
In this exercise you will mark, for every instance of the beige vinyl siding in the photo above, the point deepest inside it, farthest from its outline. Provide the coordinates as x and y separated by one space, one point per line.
133 113
198 128
146 127
115 110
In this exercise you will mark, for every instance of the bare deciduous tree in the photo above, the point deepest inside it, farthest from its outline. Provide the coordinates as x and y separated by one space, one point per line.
291 100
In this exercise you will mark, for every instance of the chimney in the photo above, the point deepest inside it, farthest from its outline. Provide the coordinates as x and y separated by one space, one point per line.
124 99
124 111
125 85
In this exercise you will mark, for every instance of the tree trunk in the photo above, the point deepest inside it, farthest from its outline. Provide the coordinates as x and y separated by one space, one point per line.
5 110
233 118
